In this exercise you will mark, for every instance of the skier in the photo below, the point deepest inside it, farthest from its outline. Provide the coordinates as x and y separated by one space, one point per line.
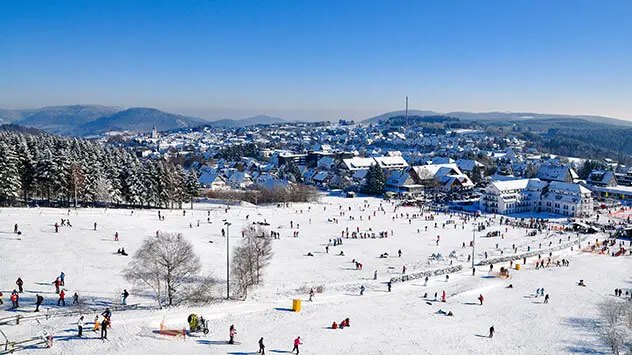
481 299
375 275
546 298
15 228
297 342
75 299
262 348
399 252
491 331
56 227
80 326
125 294
38 301
95 225
232 331
62 276
389 286
57 283
61 299
116 239
362 290
19 282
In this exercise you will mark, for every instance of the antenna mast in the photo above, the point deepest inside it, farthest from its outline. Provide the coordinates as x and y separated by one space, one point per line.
406 110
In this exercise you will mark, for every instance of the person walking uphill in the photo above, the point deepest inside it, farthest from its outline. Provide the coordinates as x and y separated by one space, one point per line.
262 348
20 283
80 326
104 328
231 333
491 331
125 294
297 342
61 301
38 302
57 283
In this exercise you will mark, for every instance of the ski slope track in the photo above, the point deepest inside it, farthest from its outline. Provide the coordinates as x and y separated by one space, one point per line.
402 321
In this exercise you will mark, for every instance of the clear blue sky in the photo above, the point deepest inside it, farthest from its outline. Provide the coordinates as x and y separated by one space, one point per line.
341 57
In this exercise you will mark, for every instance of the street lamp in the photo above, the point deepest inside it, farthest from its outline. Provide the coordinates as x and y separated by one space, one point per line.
227 224
473 242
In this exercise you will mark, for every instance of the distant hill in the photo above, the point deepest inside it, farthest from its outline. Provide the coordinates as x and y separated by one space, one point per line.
138 119
502 116
82 120
388 115
260 119
64 119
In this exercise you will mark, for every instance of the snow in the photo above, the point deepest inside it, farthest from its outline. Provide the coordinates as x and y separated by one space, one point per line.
399 322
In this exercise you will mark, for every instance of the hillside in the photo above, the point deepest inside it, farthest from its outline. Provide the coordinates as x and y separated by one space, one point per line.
63 119
260 119
502 116
138 119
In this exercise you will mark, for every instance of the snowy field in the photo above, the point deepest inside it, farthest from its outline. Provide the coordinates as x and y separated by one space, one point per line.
399 322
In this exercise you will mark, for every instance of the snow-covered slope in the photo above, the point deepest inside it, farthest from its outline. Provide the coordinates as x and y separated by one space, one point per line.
399 322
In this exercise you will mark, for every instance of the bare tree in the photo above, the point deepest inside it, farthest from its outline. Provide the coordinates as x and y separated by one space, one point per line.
612 330
250 259
165 264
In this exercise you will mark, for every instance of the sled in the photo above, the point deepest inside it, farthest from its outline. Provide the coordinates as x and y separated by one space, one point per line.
171 332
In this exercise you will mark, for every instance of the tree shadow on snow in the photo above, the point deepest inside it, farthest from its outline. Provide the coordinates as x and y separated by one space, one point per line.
281 351
583 348
471 303
241 353
590 327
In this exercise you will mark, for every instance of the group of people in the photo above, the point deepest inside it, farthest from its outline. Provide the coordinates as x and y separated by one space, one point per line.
344 323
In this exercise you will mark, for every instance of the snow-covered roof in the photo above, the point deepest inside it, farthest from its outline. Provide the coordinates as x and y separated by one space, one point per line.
357 163
506 185
397 178
209 177
391 162
563 187
556 172
430 171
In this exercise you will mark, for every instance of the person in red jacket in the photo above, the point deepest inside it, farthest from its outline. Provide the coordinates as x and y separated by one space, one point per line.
481 299
57 283
297 342
15 299
61 300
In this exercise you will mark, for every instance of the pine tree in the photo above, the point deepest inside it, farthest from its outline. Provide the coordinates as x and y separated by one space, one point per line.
192 185
375 181
10 183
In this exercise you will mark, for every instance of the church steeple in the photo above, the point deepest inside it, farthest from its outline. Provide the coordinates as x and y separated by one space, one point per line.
154 132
